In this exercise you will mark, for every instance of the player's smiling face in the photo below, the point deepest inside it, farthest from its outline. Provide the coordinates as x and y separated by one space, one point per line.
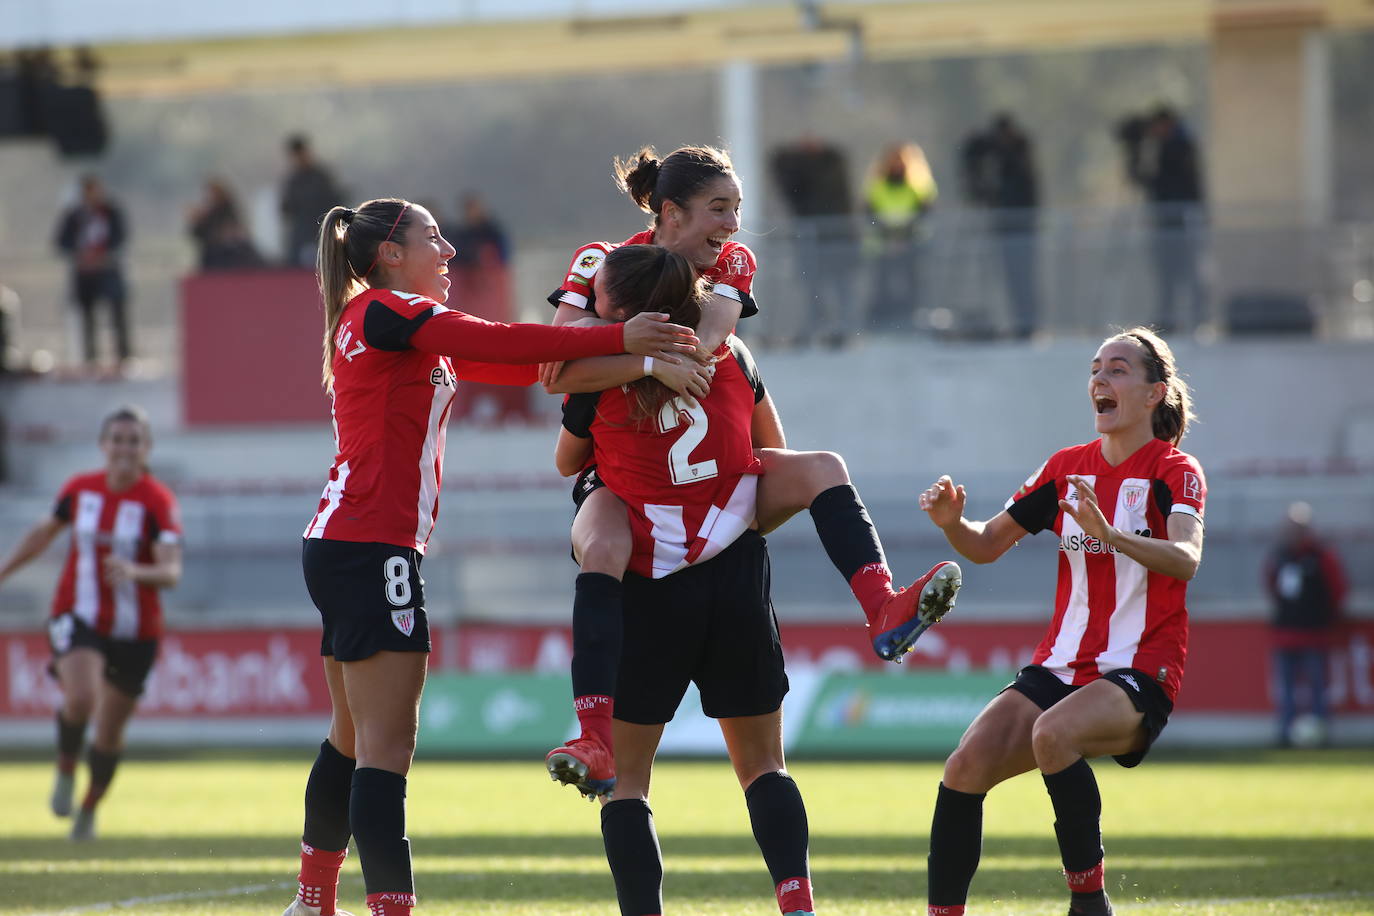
422 265
699 230
1122 396
126 446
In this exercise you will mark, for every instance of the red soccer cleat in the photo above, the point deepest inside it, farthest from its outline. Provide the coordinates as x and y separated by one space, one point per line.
912 611
585 763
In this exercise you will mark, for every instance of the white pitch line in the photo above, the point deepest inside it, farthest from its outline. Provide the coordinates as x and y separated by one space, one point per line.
172 898
1227 901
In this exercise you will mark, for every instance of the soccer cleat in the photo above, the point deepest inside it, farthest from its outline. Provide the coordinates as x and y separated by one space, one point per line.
83 826
1091 905
299 907
62 788
912 611
585 763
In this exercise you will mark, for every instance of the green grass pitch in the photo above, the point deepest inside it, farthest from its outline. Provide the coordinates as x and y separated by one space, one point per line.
1288 833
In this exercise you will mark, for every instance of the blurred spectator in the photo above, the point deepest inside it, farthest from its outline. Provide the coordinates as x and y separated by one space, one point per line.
999 173
1306 581
308 191
898 195
91 234
1162 158
479 238
221 237
813 178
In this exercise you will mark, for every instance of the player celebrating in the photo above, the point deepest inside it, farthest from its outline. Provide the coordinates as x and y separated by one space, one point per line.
1127 508
392 358
696 597
106 617
694 197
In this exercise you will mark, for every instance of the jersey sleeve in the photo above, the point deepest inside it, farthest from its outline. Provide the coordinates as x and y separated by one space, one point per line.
579 410
164 516
390 320
747 365
459 335
496 373
66 500
576 288
1185 484
733 277
1035 506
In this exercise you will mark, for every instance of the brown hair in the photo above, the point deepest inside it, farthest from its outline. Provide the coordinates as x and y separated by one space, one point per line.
349 243
651 181
129 413
1173 414
650 278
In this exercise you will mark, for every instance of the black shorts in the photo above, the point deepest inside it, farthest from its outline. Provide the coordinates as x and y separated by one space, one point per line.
1044 690
587 483
711 624
127 661
370 596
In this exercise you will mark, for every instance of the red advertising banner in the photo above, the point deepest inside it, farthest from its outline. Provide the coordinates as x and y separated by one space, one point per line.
276 673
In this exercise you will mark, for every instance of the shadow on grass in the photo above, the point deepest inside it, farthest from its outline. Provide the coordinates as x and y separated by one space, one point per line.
1160 868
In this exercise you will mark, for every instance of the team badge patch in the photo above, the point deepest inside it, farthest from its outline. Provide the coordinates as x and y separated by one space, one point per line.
404 620
1133 497
1192 486
589 262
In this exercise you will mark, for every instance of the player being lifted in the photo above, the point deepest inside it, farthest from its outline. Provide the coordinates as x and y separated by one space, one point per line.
694 198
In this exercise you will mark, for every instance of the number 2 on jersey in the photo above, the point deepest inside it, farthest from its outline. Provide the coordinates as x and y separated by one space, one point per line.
680 465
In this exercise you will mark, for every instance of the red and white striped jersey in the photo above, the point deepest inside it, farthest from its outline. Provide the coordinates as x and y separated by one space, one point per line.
125 524
391 407
731 276
688 475
1111 612
397 360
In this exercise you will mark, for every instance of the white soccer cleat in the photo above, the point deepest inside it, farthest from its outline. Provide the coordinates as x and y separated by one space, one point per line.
299 907
62 789
83 826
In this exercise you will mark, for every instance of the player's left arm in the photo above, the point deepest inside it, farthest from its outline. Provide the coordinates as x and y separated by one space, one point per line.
765 426
163 572
1177 556
719 315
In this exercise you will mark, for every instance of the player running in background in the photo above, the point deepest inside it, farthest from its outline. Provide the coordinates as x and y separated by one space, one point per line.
392 359
696 597
693 195
1127 508
106 616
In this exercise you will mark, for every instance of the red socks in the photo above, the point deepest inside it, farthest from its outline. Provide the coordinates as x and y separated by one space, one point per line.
594 715
392 903
933 910
872 585
795 894
1085 882
319 878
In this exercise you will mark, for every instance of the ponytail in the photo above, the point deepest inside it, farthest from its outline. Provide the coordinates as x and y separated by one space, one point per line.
349 243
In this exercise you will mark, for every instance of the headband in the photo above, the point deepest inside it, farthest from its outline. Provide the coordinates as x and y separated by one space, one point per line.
390 232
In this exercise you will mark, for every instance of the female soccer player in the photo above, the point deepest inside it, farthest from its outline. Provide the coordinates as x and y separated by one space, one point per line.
392 358
106 617
1127 508
693 195
696 597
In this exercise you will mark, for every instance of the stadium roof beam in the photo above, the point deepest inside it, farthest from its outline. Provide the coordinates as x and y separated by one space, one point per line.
760 33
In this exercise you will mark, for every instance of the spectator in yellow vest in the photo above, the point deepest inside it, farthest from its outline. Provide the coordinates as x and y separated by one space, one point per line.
898 196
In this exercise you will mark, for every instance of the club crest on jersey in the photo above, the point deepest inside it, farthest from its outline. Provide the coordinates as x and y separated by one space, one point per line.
738 262
1192 486
1133 497
589 262
404 620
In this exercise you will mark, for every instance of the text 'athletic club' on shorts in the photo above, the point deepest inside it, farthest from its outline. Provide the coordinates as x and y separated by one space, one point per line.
1038 684
370 596
711 624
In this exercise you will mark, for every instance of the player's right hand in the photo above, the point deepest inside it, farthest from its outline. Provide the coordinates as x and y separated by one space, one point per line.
649 332
943 502
687 378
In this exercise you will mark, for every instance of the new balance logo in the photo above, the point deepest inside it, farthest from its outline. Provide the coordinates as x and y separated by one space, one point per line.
1130 679
788 887
404 620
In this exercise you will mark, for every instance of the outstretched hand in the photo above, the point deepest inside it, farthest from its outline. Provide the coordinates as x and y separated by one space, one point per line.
651 334
1086 512
943 502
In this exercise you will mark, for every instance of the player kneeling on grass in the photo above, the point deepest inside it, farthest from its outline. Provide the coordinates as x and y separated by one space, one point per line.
696 601
1128 511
